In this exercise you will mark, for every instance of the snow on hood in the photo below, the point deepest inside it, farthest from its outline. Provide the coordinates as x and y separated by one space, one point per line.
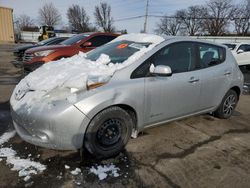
74 72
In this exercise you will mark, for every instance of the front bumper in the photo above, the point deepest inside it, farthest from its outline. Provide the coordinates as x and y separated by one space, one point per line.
58 126
18 62
30 67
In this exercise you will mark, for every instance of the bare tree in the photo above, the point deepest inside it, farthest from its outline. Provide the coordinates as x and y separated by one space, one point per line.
24 21
78 18
49 15
169 25
192 19
103 17
217 14
241 18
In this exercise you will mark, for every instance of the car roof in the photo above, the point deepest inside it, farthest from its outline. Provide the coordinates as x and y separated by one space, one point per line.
191 39
98 33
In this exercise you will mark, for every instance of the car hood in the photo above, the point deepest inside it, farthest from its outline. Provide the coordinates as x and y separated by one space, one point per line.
24 47
56 80
51 47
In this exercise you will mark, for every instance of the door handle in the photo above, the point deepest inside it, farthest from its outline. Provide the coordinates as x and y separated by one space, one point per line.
193 80
227 73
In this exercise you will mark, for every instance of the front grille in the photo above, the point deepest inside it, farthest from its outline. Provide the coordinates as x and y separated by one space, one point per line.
18 56
27 57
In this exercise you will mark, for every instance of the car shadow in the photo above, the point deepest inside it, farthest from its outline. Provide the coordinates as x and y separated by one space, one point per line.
5 117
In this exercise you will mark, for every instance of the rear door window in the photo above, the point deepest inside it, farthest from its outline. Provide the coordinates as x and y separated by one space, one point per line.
211 55
100 40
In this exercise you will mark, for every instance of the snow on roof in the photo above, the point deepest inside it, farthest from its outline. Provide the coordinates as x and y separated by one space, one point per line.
141 37
74 72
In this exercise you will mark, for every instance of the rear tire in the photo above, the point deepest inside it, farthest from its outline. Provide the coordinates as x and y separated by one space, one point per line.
227 105
108 132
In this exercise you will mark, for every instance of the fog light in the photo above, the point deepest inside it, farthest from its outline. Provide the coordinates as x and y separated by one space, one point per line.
246 89
42 136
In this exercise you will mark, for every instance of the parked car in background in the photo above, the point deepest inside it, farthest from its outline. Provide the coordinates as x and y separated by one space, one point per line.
241 52
85 42
19 51
98 100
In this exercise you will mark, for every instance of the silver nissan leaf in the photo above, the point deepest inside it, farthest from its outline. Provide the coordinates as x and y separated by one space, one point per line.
155 83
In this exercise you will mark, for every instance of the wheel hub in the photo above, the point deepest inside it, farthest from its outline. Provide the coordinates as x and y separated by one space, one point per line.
109 132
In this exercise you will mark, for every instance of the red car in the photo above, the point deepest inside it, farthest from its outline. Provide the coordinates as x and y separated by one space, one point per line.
35 57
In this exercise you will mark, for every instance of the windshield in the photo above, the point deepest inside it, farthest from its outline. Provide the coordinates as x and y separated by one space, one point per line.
46 41
230 46
118 51
74 39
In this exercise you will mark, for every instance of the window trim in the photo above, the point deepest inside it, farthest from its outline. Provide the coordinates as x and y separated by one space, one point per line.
198 64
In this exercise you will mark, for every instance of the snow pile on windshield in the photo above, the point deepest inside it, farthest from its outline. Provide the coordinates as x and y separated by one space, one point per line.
25 167
75 72
103 171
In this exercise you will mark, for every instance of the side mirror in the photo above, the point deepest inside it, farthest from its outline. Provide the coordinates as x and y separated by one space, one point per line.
87 44
240 51
160 70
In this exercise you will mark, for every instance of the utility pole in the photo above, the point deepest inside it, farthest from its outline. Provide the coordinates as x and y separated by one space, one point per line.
146 18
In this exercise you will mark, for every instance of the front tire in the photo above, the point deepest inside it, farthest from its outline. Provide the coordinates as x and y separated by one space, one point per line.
227 105
108 132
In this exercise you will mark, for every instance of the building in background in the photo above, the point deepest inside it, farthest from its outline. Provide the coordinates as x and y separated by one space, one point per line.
6 25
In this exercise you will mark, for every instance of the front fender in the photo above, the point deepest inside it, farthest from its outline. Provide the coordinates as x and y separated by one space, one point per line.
92 105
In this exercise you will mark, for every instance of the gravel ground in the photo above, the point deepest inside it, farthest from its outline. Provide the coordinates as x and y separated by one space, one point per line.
200 151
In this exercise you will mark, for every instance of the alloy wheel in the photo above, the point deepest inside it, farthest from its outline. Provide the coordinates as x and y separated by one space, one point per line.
229 105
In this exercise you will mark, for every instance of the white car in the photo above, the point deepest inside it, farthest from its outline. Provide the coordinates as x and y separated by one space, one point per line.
241 52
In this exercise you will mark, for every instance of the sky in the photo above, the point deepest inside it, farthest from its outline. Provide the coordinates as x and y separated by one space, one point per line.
119 9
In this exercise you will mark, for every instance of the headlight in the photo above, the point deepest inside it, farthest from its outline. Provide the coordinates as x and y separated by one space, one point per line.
44 53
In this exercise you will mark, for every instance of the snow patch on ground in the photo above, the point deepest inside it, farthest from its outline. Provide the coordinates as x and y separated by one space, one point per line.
66 167
25 167
76 171
6 136
103 171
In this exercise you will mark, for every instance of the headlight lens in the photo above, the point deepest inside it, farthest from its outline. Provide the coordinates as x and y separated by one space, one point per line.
44 53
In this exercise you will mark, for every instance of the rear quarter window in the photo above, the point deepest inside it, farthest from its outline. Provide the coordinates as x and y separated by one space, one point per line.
211 55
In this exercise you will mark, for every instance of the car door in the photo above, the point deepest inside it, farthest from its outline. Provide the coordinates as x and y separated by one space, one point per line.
176 95
243 58
215 75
